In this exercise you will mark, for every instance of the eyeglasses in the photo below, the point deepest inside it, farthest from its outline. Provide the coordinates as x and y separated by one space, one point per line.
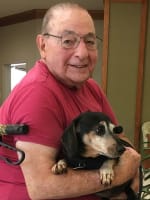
71 40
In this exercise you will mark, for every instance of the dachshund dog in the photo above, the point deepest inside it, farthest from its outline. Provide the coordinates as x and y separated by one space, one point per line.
91 142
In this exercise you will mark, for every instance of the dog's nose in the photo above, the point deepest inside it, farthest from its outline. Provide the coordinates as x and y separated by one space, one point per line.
118 129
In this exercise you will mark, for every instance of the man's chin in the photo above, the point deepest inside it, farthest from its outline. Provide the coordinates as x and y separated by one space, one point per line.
79 82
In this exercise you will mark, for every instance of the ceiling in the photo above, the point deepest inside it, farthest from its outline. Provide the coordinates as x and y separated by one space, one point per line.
18 6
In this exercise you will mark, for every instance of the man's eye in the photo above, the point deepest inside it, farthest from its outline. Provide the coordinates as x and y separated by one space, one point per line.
69 42
90 42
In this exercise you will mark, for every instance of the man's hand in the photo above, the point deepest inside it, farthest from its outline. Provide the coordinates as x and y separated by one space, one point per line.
136 182
130 154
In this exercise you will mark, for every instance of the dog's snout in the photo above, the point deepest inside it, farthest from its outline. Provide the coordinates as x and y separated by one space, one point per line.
115 150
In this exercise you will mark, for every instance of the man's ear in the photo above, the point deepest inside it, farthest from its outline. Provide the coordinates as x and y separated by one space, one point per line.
40 41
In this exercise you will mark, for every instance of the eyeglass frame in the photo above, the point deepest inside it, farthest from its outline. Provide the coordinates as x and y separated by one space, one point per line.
77 42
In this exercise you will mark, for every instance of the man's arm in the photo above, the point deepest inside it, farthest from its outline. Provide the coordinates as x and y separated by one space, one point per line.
43 184
136 179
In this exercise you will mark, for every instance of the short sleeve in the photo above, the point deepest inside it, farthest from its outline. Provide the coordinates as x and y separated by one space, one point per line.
39 108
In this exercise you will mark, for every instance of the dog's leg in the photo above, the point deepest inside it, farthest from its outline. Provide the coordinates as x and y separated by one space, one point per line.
60 167
107 172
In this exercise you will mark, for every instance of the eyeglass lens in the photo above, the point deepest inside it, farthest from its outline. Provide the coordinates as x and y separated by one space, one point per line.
72 40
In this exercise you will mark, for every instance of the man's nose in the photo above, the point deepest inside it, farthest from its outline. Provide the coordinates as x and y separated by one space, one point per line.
81 50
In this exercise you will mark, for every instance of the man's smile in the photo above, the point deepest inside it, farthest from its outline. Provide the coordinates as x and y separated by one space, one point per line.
78 66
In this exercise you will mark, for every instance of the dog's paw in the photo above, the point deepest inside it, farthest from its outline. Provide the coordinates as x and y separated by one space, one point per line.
60 167
106 175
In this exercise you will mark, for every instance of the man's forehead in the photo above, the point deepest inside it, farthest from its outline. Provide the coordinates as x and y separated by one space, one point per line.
73 23
71 32
72 16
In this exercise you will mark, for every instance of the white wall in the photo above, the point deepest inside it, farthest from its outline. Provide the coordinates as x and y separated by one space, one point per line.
17 45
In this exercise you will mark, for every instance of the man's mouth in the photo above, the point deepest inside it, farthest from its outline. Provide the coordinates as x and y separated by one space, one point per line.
78 66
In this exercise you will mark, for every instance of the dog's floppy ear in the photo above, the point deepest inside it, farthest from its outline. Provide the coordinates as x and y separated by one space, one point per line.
70 139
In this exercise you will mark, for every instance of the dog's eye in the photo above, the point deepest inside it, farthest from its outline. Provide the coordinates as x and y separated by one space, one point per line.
100 129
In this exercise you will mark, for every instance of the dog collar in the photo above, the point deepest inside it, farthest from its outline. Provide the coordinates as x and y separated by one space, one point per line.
86 163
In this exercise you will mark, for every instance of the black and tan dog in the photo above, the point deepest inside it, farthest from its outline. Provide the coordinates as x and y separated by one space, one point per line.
91 142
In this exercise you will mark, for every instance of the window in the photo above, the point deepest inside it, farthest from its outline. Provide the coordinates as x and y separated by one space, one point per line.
18 71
